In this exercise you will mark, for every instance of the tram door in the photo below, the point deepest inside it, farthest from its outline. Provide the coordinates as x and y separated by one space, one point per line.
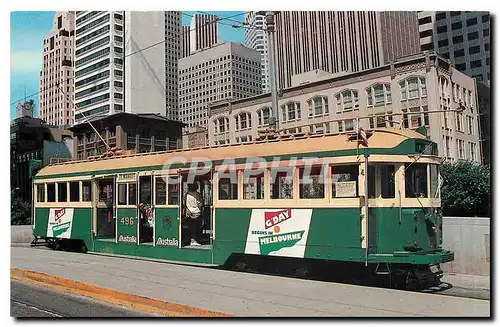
203 232
104 208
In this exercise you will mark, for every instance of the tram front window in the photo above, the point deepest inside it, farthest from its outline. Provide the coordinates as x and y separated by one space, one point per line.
416 180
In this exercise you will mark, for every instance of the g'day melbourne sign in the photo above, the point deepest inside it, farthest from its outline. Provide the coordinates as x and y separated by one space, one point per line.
278 232
59 223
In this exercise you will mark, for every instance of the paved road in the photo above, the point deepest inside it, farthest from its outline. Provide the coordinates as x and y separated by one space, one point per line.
31 301
242 294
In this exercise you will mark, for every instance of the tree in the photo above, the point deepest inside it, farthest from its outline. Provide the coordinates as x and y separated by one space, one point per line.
466 189
20 211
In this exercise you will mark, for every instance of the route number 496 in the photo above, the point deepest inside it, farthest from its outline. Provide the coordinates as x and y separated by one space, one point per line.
127 221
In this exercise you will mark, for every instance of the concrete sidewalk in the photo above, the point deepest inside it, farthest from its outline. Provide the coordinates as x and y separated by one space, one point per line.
241 294
470 282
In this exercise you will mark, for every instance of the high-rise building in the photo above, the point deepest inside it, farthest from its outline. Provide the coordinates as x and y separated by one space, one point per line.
172 56
203 31
224 71
461 36
256 38
185 43
341 41
57 72
117 70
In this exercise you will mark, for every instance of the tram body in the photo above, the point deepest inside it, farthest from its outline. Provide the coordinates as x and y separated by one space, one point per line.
100 204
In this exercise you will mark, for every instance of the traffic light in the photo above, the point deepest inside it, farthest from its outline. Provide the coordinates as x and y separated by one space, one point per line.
361 136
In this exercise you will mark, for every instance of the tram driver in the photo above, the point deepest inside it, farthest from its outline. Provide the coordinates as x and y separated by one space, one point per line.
193 209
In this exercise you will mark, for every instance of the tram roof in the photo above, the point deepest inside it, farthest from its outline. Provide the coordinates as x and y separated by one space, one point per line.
385 140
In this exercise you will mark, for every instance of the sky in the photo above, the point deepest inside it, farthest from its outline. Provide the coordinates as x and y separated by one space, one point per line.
28 29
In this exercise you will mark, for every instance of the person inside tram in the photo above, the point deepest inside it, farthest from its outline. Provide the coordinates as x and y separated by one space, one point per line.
193 209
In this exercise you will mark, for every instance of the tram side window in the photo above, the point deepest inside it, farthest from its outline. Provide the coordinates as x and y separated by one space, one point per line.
387 183
434 181
122 194
173 190
40 191
86 191
253 187
281 183
228 190
345 181
62 192
51 192
161 191
74 191
312 183
132 194
416 180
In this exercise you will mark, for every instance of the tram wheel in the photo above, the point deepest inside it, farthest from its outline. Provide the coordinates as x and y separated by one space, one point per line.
412 282
83 249
58 246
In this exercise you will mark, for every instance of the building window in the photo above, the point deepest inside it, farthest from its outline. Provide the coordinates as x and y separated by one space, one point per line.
460 149
443 43
458 39
440 29
456 26
473 35
346 125
290 111
460 67
320 128
347 101
475 64
472 148
459 53
470 124
475 49
415 117
441 15
318 106
379 94
221 125
243 121
413 88
459 118
263 116
472 21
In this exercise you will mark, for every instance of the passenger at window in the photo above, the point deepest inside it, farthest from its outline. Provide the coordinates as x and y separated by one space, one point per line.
193 205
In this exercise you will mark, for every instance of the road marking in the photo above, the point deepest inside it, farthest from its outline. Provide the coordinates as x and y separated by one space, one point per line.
123 299
36 308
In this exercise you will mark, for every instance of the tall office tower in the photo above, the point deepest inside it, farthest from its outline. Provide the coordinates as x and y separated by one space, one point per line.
116 70
224 71
185 49
341 41
99 60
256 38
461 36
204 32
57 72
173 53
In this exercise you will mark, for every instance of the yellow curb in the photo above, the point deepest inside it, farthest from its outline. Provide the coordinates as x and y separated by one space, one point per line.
132 301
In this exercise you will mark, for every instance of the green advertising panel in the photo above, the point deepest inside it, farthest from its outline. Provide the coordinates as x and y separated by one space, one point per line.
167 227
127 225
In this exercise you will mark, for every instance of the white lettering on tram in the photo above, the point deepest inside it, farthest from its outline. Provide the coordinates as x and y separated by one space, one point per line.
167 242
127 239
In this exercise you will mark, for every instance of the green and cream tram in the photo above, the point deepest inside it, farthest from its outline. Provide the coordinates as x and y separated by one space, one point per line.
382 210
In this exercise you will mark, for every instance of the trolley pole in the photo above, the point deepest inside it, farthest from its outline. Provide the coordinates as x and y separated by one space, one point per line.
273 120
367 222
